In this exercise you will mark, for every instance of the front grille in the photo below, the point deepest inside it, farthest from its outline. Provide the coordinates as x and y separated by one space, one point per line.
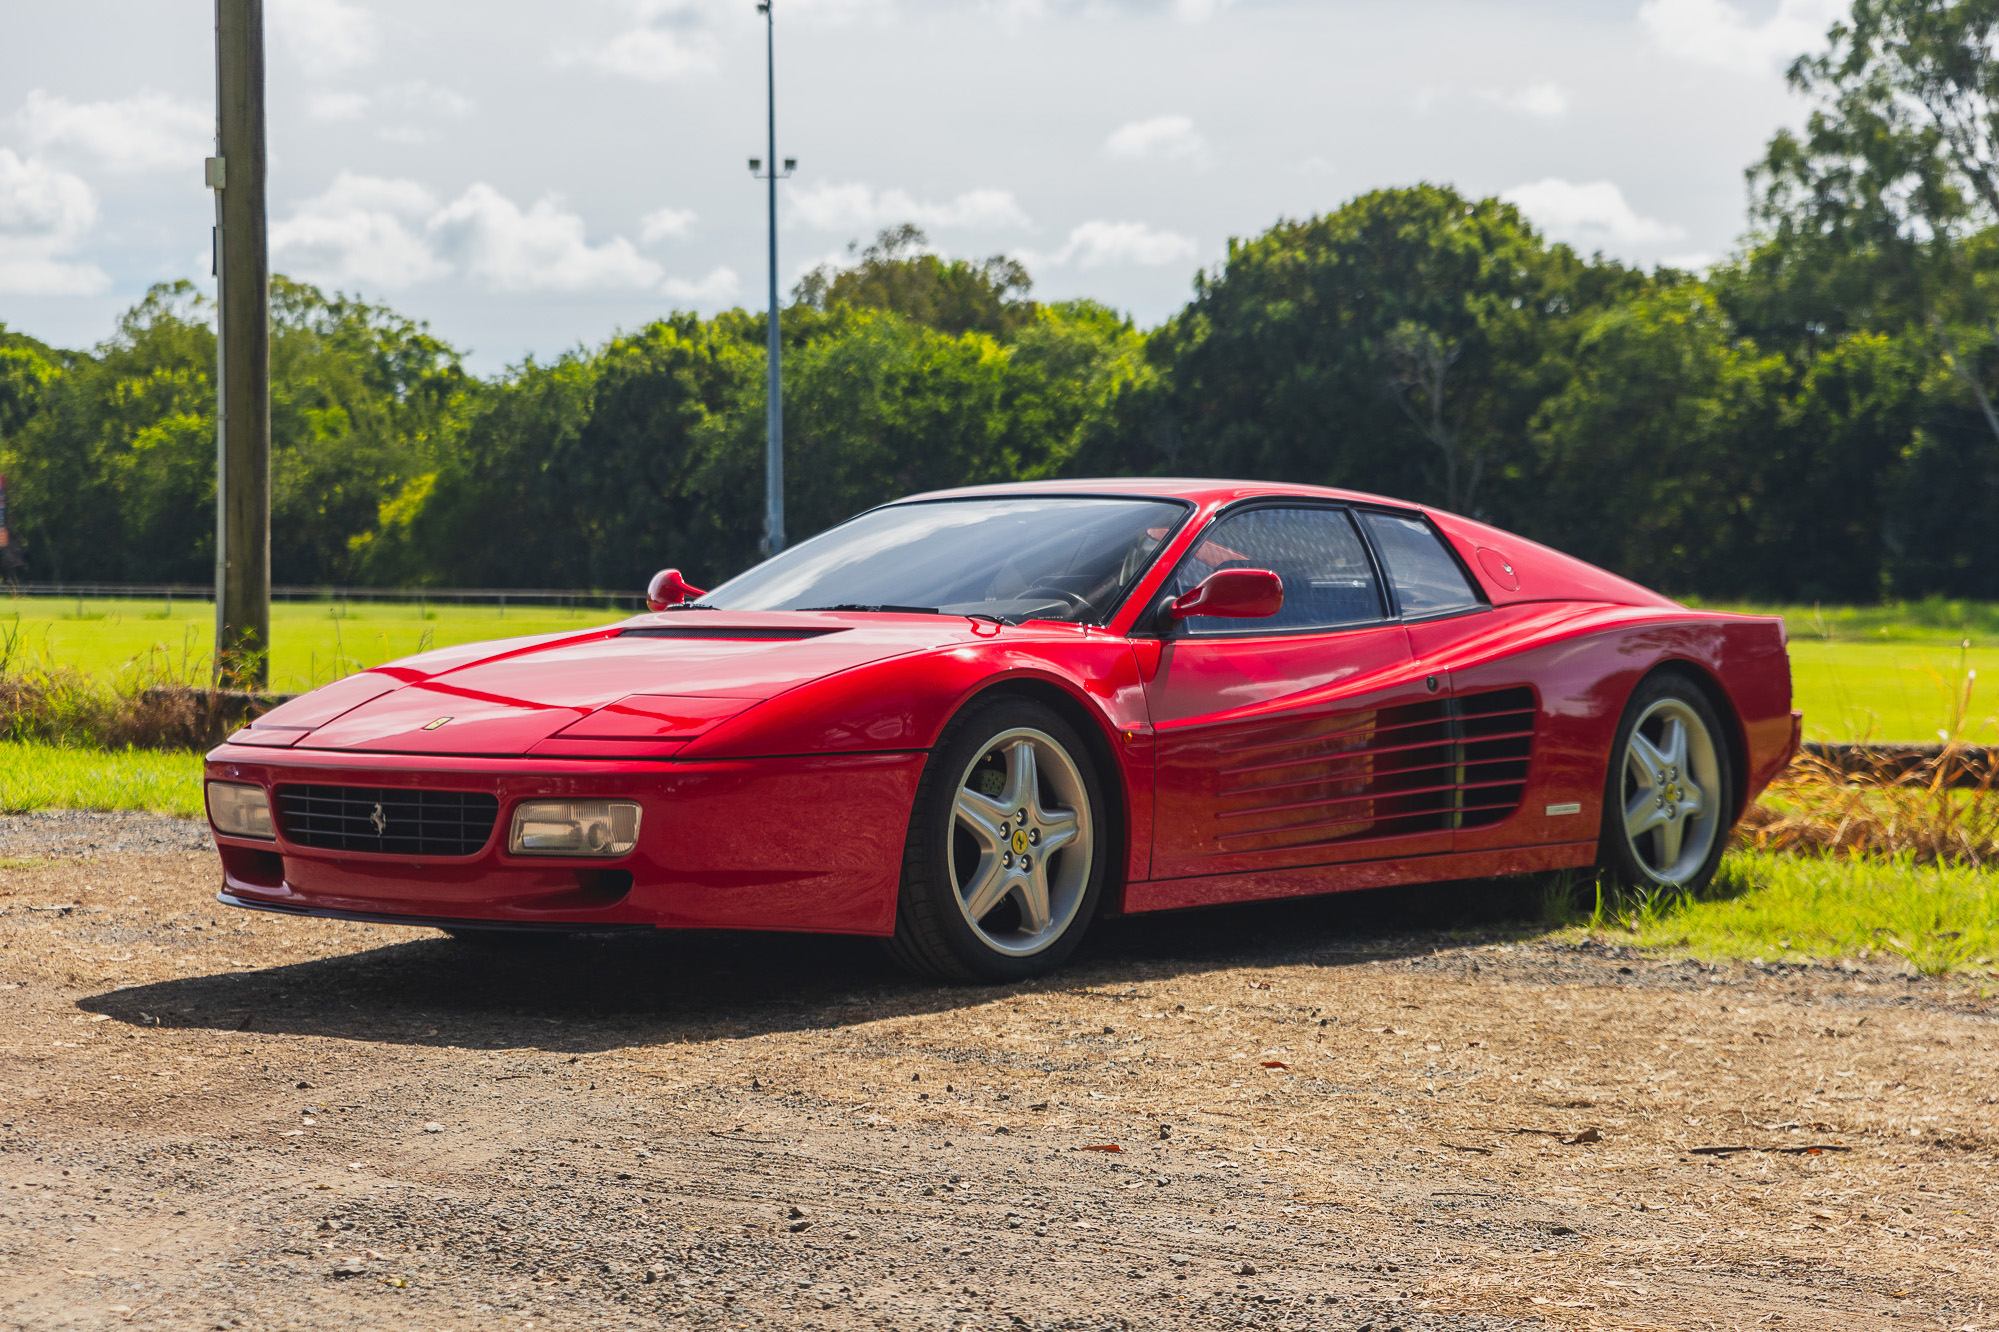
392 820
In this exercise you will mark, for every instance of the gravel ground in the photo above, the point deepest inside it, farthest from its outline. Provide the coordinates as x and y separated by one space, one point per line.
1313 1115
70 832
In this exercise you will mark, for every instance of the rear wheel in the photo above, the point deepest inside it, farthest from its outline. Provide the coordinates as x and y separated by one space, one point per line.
1007 848
1670 789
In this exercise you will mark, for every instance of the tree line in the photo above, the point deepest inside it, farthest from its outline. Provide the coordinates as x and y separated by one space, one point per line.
1812 419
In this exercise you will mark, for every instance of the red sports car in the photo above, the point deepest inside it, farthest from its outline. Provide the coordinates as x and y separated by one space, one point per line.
971 721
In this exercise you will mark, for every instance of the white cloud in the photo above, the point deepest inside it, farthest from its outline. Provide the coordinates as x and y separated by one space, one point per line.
541 249
1590 217
654 54
718 288
1546 101
44 215
325 36
363 230
148 131
1716 32
1009 11
390 234
662 223
338 105
415 100
1164 137
426 98
1101 244
832 207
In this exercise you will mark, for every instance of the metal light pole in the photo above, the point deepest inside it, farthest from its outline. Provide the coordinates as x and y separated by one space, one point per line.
773 540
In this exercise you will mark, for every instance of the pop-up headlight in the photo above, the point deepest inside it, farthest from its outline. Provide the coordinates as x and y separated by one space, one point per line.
575 828
240 810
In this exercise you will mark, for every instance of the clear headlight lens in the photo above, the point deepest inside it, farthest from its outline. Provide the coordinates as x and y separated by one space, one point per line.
240 810
575 828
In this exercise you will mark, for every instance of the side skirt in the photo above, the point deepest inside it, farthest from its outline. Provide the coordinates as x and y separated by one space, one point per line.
1313 881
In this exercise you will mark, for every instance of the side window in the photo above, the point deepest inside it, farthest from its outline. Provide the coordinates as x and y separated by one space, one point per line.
1328 579
1427 580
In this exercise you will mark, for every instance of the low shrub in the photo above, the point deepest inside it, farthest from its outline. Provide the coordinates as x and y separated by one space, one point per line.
160 700
1928 814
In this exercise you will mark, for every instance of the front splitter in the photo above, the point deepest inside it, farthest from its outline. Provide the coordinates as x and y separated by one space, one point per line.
430 922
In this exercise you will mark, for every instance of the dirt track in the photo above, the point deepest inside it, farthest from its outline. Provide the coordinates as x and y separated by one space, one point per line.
216 1119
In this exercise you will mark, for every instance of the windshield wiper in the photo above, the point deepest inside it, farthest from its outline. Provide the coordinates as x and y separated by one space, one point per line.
690 605
892 610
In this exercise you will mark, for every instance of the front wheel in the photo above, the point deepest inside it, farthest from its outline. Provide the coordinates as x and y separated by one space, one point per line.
1007 849
1670 790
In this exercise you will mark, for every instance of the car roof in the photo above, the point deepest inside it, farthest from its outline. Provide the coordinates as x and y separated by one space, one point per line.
1196 490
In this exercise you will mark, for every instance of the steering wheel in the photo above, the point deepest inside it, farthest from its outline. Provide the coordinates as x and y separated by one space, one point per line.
1080 603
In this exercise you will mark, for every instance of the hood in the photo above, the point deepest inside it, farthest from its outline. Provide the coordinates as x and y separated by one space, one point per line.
502 698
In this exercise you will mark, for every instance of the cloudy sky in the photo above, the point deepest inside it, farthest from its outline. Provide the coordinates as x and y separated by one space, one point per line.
527 176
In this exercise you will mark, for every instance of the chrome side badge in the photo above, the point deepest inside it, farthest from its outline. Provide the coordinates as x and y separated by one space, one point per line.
1572 807
431 726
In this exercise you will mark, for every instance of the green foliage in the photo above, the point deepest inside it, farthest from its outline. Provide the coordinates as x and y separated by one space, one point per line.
1401 344
27 368
1661 400
1817 418
952 296
114 472
599 468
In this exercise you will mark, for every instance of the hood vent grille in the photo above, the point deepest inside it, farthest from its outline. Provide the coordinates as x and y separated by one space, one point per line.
719 632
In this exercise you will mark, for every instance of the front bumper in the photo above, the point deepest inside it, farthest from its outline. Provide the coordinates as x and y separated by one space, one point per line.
810 843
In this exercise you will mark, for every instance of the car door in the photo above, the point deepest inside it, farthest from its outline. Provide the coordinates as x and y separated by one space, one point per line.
1309 738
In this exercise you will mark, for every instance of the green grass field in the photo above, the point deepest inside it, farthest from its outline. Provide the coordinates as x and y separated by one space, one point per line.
1882 673
1901 671
1936 918
311 642
36 776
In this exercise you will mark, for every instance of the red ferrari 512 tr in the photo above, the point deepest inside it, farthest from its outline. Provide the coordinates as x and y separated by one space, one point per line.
971 721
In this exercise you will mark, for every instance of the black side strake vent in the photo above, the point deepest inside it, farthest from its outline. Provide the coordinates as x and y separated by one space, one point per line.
754 635
392 820
1420 768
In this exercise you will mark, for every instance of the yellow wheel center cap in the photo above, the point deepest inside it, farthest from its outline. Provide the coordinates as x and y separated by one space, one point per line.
1020 842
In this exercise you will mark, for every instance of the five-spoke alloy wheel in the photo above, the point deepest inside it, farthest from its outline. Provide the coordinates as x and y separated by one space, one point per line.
1006 850
1669 799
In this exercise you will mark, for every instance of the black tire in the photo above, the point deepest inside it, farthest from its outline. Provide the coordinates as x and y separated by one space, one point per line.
949 853
1694 770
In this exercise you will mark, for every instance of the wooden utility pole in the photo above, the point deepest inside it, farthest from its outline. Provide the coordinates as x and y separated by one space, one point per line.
243 354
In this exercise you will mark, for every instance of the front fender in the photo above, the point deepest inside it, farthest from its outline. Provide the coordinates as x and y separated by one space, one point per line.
903 703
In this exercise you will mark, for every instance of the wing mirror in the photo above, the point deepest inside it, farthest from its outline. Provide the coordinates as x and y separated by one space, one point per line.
1232 594
668 588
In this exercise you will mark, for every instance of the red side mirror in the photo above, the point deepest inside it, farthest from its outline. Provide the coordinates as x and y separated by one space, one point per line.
1233 594
668 588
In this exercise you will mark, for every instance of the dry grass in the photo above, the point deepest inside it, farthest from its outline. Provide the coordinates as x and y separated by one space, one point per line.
1926 815
1941 810
158 700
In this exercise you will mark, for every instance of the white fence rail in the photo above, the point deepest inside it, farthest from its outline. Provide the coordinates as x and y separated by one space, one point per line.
435 596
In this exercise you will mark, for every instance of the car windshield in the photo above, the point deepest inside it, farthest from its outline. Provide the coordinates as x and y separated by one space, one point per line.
1055 558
